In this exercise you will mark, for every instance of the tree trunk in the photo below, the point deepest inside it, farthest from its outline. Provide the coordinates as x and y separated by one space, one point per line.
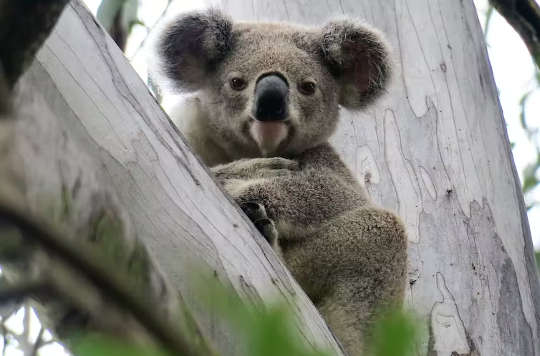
435 150
91 152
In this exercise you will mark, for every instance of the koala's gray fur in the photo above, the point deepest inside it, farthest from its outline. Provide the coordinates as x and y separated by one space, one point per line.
347 254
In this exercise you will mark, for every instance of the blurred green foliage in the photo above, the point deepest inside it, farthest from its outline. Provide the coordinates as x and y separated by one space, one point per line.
265 330
532 171
102 345
110 9
395 334
530 176
118 17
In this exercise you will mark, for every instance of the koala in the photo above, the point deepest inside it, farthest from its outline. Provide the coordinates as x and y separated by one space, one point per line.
267 100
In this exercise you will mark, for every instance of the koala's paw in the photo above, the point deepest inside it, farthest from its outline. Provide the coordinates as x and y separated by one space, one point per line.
275 163
255 168
257 213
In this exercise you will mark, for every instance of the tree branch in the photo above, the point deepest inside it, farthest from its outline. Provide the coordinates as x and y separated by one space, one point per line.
5 97
22 290
108 281
524 16
25 24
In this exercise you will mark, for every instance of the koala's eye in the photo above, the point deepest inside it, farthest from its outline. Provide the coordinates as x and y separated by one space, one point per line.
307 88
238 83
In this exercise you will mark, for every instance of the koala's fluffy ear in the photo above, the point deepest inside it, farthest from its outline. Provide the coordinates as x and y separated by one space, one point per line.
359 58
192 45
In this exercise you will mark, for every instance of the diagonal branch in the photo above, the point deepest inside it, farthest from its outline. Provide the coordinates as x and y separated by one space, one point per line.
524 16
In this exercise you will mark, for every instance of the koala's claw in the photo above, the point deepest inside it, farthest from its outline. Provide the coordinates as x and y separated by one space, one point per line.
268 229
257 213
254 211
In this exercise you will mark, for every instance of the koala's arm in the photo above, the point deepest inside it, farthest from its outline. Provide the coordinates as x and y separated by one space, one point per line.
295 199
253 168
303 192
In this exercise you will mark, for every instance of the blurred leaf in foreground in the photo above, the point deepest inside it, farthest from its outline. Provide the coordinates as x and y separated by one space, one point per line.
264 330
395 334
102 345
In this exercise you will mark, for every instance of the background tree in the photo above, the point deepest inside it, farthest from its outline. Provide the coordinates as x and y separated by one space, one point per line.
436 151
524 17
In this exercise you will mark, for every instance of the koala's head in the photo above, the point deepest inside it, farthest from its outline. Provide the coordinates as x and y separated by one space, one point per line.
273 89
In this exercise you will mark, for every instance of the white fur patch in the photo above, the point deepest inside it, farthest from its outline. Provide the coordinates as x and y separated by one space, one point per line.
268 135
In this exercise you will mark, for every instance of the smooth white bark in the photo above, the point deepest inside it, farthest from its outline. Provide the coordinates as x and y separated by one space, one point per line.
435 150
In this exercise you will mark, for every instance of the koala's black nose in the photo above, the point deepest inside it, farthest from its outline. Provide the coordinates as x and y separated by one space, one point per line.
271 98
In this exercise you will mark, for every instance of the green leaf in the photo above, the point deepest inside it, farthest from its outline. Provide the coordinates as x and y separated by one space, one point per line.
101 345
396 333
262 330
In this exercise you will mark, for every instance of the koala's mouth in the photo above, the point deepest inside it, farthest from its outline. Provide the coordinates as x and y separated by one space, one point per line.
268 134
